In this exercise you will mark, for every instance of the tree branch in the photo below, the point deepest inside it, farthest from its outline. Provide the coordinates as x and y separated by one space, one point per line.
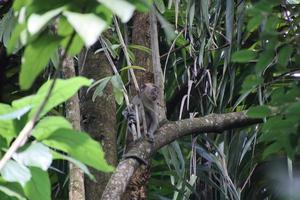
143 150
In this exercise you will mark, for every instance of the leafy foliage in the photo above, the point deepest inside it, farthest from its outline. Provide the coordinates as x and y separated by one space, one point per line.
217 56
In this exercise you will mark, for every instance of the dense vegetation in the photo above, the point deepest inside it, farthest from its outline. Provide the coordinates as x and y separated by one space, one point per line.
217 57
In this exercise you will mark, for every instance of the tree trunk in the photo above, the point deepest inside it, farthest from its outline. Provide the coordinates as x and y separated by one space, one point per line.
136 189
99 118
76 184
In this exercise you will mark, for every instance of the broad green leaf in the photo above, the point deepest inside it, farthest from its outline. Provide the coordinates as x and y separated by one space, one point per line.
36 155
99 90
7 129
258 112
250 83
285 54
133 67
265 58
64 27
293 109
76 45
49 124
121 8
62 91
277 125
254 22
116 81
117 88
271 149
88 26
80 146
36 22
12 44
118 95
18 4
10 193
39 186
36 57
11 190
15 114
281 97
15 172
79 164
105 79
243 56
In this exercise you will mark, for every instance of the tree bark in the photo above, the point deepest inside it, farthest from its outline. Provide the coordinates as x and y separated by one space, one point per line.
169 132
99 119
137 187
76 184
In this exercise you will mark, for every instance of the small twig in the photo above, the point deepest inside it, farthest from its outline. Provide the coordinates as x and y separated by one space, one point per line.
174 50
26 131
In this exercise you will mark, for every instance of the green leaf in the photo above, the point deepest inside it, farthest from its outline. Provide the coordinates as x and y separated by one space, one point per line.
284 54
254 22
293 108
258 112
12 190
36 22
88 26
15 114
243 56
160 5
36 155
277 125
121 8
62 91
12 44
271 149
36 57
167 27
118 95
250 83
15 172
265 59
99 90
80 146
76 46
79 164
7 129
39 186
49 124
117 88
64 27
133 67
140 47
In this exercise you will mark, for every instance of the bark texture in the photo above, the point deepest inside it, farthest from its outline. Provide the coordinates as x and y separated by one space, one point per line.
169 132
76 184
99 119
137 187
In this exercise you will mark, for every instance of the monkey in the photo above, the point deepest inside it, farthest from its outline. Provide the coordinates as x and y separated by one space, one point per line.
141 112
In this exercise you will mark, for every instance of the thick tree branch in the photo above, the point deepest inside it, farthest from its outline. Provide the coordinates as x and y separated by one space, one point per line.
143 150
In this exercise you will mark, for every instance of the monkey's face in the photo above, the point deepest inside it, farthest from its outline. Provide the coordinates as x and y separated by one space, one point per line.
150 90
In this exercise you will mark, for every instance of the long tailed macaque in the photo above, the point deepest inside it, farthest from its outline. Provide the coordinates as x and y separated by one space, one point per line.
141 112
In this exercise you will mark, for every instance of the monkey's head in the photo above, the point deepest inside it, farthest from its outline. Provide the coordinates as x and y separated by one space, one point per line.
150 90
